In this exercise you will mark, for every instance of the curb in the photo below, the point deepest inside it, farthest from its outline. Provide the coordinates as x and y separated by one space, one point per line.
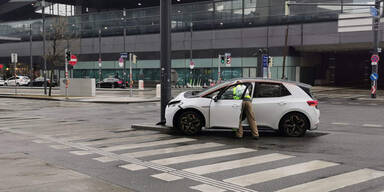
76 100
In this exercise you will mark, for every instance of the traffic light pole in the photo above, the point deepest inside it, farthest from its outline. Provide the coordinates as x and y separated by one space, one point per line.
130 74
66 73
165 55
376 22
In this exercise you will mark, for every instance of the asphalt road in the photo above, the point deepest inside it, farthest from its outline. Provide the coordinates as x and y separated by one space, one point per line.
345 154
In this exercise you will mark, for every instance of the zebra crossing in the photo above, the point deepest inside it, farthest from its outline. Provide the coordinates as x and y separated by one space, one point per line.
170 158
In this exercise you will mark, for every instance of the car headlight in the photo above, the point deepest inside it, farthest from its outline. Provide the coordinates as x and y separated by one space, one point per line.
174 102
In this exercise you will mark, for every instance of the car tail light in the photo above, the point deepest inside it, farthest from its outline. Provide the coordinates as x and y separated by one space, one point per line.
120 82
313 103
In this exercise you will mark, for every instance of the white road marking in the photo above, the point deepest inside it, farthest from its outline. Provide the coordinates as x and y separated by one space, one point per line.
372 125
340 123
40 141
123 139
212 168
272 174
81 152
133 167
201 156
207 188
60 146
373 104
171 150
336 182
105 159
166 177
147 144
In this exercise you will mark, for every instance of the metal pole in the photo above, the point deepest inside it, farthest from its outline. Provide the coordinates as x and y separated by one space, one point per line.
66 75
218 70
99 57
165 54
30 54
15 77
376 22
283 76
124 37
130 73
191 55
44 56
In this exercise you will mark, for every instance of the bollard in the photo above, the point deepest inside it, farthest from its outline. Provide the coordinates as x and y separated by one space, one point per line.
141 85
158 90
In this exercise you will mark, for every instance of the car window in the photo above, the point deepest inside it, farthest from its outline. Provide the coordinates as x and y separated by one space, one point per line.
228 94
265 90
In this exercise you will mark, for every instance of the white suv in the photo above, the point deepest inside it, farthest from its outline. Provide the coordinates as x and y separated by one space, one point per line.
18 81
280 105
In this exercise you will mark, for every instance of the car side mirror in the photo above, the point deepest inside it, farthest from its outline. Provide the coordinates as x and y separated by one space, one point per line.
215 98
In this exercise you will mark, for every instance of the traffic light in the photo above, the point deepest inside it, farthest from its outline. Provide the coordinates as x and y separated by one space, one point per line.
222 59
228 59
68 55
270 61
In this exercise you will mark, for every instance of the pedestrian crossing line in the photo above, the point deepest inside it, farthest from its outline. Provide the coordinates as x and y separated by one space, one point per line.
201 156
40 141
60 146
166 177
147 144
133 167
207 188
272 174
372 125
172 150
212 168
123 139
81 153
336 182
105 159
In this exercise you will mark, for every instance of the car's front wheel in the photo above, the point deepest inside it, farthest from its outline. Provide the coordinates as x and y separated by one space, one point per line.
294 124
190 122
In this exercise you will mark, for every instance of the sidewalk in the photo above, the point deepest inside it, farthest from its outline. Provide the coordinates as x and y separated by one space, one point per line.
323 92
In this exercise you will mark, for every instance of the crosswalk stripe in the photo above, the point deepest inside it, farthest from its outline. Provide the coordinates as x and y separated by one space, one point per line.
201 156
272 174
60 146
372 125
123 139
133 167
80 153
166 177
147 144
212 168
207 188
105 159
172 150
336 182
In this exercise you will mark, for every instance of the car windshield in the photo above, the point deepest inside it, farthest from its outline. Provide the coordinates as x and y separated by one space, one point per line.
225 83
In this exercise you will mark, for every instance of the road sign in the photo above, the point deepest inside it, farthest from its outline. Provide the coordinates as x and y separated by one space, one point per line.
375 58
73 60
14 57
124 55
265 60
374 76
374 12
191 65
121 62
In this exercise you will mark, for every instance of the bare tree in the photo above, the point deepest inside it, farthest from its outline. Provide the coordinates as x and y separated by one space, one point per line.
60 37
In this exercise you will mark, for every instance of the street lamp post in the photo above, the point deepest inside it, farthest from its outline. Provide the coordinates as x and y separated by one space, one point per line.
124 38
30 54
99 57
165 54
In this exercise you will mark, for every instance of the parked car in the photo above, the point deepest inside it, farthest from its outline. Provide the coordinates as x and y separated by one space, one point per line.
39 81
2 81
18 81
111 83
280 105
